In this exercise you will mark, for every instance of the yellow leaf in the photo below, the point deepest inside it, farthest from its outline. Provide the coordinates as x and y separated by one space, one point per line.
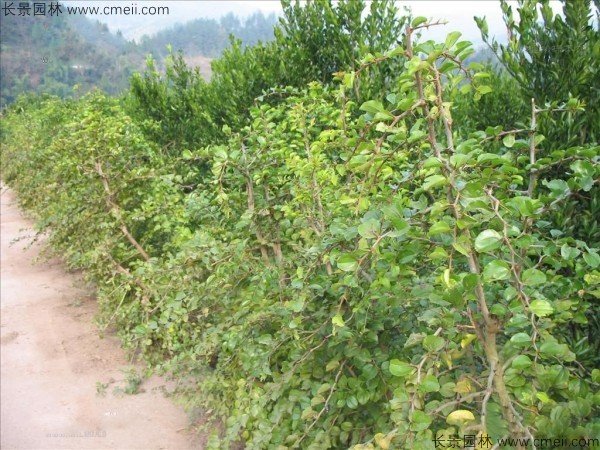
384 441
447 358
467 340
457 354
459 417
447 277
463 387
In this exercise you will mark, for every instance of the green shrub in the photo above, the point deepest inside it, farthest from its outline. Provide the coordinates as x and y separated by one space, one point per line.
346 274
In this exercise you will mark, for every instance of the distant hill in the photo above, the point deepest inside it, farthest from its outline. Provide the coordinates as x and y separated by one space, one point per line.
484 55
209 37
51 54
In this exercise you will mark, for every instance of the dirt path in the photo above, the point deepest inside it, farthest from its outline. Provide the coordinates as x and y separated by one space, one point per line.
52 360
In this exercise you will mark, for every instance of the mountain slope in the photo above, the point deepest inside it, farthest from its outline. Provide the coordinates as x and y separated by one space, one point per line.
52 54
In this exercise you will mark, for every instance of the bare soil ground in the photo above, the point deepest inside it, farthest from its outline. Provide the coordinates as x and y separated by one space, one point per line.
53 362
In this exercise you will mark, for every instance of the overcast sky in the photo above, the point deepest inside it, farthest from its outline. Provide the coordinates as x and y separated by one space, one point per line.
459 14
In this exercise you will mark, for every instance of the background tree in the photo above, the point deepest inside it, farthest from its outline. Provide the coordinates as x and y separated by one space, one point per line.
554 58
313 42
320 38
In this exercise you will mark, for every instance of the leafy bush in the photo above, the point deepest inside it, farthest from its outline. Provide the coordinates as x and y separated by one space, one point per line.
540 46
182 112
503 107
320 38
347 274
171 108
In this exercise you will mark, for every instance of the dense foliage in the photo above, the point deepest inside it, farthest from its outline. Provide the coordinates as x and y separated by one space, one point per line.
181 110
329 269
541 44
539 51
320 38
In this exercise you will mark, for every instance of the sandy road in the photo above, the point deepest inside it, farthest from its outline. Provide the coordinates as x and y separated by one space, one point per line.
52 359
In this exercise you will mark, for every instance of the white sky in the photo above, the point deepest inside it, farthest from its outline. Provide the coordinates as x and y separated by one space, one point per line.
458 13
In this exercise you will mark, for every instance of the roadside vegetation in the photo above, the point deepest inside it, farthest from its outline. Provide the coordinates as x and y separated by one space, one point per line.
348 237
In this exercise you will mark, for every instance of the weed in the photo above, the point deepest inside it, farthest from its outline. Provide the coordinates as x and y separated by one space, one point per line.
101 388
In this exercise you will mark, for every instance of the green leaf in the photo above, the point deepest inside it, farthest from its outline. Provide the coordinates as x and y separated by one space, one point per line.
482 25
488 240
338 321
489 157
141 329
533 277
509 140
543 397
496 270
349 80
433 181
432 162
525 205
538 139
416 135
414 339
558 187
220 153
429 384
369 228
583 168
400 368
433 343
400 227
514 379
592 259
352 402
520 339
363 397
459 159
317 400
296 305
521 362
495 423
396 52
568 252
553 348
466 88
460 248
438 253
480 91
541 308
452 38
369 372
347 263
372 106
438 228
498 309
332 365
418 21
420 421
